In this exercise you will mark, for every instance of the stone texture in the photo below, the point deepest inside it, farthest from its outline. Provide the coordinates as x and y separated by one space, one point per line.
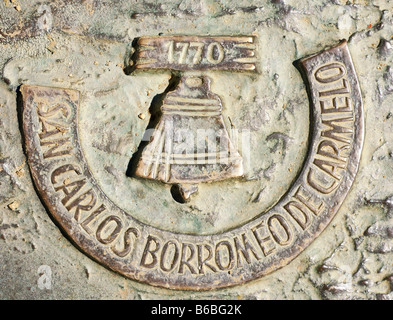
86 45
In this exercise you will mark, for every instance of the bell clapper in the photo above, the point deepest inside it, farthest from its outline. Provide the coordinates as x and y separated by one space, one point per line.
186 190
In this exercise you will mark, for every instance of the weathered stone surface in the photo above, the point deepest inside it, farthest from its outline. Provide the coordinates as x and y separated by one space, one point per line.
87 46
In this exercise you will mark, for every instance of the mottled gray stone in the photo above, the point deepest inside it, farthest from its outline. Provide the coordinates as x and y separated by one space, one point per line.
86 46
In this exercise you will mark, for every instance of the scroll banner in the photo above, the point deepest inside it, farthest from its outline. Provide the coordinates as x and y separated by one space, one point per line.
185 53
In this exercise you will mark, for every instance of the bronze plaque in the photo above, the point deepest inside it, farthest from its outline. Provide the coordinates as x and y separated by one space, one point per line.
196 149
143 252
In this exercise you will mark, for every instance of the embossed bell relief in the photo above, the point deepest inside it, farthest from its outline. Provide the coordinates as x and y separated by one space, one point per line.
190 143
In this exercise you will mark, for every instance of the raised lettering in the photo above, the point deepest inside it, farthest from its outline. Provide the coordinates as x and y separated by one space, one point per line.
328 148
326 74
55 145
52 110
70 189
299 213
329 167
220 258
243 249
335 129
280 229
80 203
185 261
319 185
171 51
198 54
264 239
184 51
150 252
173 260
213 48
63 169
45 133
334 107
344 89
113 234
308 200
204 262
85 223
128 235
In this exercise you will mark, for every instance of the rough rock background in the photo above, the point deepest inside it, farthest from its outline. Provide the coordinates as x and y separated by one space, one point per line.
86 45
